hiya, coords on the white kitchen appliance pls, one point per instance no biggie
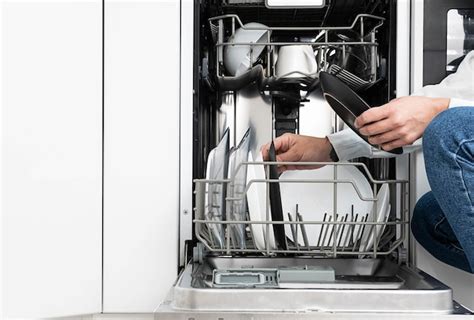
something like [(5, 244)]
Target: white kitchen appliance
[(367, 45)]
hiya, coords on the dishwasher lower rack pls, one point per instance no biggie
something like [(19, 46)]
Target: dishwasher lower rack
[(339, 233), (195, 297)]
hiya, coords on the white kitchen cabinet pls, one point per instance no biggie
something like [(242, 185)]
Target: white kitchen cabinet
[(141, 157), (51, 150)]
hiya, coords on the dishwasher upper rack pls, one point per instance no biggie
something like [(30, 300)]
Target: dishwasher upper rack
[(397, 237), (223, 28)]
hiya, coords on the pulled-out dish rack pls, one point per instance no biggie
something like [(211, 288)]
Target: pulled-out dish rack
[(349, 52), (334, 224)]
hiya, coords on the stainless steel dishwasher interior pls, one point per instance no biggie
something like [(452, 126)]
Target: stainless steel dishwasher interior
[(418, 293)]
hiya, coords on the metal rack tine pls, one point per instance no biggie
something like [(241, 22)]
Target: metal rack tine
[(342, 227), (332, 233), (293, 232), (325, 232), (350, 234), (322, 229), (340, 230), (360, 232), (303, 231)]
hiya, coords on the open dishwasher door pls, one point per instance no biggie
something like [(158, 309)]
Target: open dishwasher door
[(363, 289), (326, 269), (337, 276)]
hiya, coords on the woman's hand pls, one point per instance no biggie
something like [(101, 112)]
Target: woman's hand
[(296, 148), (401, 121)]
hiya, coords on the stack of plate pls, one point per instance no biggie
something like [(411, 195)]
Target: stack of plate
[(258, 202), (217, 163), (222, 164), (312, 201), (237, 209)]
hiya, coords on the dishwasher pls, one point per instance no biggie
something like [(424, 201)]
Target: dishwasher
[(338, 248)]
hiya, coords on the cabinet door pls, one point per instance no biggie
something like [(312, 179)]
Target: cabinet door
[(141, 170), (51, 152)]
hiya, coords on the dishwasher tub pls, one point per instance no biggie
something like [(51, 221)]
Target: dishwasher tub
[(419, 294)]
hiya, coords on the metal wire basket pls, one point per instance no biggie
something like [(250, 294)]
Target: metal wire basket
[(339, 233), (324, 41)]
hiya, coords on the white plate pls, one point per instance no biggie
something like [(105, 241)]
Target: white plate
[(209, 188), (383, 211), (214, 201), (316, 199), (237, 209), (257, 199), (210, 160)]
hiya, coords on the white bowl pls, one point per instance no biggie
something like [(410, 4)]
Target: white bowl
[(237, 58), (296, 61)]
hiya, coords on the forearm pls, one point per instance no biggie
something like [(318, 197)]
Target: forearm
[(348, 145)]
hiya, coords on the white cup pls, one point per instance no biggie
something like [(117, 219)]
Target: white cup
[(296, 61)]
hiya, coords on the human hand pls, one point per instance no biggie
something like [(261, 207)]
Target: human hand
[(401, 121), (296, 148)]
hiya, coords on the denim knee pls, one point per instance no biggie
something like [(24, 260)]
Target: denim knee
[(434, 133), (417, 225), (447, 130)]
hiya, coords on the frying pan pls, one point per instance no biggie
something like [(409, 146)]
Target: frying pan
[(275, 202), (346, 103)]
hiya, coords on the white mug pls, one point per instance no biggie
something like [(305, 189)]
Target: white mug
[(296, 61)]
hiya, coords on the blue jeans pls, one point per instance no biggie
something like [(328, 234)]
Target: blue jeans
[(443, 219)]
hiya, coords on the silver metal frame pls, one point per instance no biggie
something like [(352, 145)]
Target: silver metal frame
[(338, 222), (218, 29)]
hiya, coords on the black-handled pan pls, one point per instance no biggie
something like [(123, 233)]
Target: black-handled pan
[(346, 103), (275, 202)]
